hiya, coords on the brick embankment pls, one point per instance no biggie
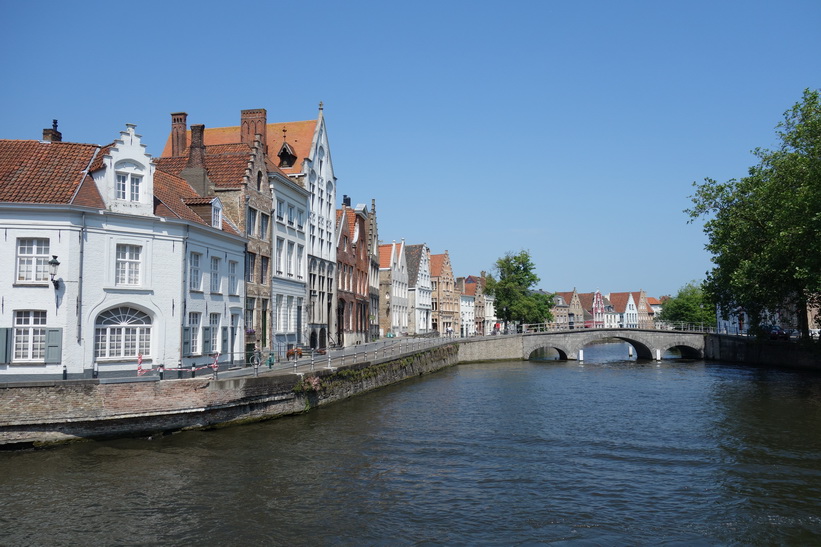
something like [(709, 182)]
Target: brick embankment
[(43, 413)]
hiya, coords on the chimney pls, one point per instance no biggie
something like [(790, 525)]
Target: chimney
[(346, 201), (194, 172), (52, 135), (252, 123), (178, 129)]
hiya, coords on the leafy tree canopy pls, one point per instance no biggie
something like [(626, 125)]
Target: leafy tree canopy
[(763, 229), (690, 305), (513, 290)]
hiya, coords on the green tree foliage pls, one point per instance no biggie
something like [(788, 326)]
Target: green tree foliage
[(513, 290), (690, 305), (764, 229)]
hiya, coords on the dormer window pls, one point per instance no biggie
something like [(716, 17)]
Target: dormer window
[(287, 158), (128, 186), (128, 181), (216, 215)]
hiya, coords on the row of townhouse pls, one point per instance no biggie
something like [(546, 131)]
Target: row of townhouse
[(223, 247), (226, 247), (630, 310)]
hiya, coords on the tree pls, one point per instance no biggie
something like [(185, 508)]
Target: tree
[(763, 230), (513, 290), (690, 305)]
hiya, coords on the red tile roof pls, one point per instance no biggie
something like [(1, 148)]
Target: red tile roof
[(385, 256), (298, 135), (45, 172), (436, 264), (619, 301)]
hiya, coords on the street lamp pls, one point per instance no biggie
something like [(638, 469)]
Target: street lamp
[(53, 264)]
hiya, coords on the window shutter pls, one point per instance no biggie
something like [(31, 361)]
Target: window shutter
[(54, 345), (5, 345), (206, 340), (186, 341), (225, 347)]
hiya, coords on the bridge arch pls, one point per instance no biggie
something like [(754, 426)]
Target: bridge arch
[(648, 343)]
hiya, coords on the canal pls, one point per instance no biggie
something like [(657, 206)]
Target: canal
[(609, 451)]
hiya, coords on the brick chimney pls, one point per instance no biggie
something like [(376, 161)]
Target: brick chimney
[(179, 121), (254, 122), (52, 135), (194, 172)]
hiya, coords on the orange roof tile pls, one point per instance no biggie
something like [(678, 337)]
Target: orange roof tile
[(436, 264), (385, 256), (43, 172)]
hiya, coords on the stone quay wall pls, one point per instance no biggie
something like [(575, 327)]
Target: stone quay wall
[(45, 413), (750, 351)]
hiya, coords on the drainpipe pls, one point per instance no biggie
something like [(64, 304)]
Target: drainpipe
[(80, 282)]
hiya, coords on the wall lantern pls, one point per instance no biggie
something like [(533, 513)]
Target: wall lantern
[(53, 264)]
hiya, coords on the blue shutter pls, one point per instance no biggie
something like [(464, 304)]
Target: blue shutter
[(225, 347), (5, 345), (54, 346), (206, 340), (186, 341)]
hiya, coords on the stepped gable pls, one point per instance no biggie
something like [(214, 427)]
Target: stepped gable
[(47, 172)]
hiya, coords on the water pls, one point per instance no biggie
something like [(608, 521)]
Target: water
[(609, 452)]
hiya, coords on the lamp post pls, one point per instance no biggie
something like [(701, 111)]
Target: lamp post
[(53, 264)]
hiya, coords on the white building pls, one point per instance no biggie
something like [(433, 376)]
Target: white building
[(393, 283), (149, 272), (467, 315), (289, 286), (420, 289)]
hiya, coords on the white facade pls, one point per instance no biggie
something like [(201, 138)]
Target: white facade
[(321, 184), (420, 292), (289, 288), (126, 288), (467, 315), (393, 282)]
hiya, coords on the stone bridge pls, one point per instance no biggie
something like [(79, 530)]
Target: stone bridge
[(649, 344)]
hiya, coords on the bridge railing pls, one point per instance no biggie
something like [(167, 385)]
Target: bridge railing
[(532, 328)]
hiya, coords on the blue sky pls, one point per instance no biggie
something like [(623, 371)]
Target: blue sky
[(572, 130)]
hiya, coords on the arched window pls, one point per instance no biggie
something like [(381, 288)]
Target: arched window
[(122, 332)]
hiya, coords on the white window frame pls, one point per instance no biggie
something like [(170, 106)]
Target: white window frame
[(195, 324), (32, 259), (214, 323), (128, 264), (195, 279), (127, 186), (233, 285), (216, 277), (29, 336), (122, 333)]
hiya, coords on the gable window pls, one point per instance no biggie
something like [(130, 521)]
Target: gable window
[(128, 186), (216, 215), (29, 335), (32, 259), (128, 264), (122, 332), (196, 273), (286, 156)]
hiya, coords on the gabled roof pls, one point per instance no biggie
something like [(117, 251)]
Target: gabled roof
[(436, 264), (173, 197), (47, 172), (620, 300), (225, 165), (413, 257), (385, 255)]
